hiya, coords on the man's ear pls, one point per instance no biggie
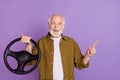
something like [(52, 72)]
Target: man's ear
[(48, 24)]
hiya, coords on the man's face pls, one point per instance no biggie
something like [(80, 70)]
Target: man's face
[(56, 26)]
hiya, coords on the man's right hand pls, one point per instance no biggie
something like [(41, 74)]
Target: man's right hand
[(25, 39)]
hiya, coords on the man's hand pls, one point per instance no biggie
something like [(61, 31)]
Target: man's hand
[(91, 50), (25, 39)]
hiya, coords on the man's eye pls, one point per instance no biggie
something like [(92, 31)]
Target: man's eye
[(60, 23), (52, 23)]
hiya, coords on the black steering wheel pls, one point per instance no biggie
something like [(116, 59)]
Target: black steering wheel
[(22, 57)]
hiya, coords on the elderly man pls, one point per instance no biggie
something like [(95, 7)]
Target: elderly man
[(59, 53)]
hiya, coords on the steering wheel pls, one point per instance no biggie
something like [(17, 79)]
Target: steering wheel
[(22, 57)]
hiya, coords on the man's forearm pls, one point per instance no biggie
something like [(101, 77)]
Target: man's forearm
[(86, 59), (28, 47)]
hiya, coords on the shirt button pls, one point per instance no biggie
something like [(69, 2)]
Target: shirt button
[(51, 52), (51, 73)]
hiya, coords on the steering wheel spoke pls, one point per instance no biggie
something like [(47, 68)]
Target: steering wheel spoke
[(34, 57), (20, 67), (11, 53)]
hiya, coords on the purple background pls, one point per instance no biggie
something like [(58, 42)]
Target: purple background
[(86, 21)]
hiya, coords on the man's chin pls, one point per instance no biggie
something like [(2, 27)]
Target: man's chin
[(55, 34)]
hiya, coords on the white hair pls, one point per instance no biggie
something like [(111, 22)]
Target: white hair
[(50, 18)]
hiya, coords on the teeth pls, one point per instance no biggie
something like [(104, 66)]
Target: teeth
[(56, 30)]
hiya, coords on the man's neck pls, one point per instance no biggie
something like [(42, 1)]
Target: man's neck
[(55, 36)]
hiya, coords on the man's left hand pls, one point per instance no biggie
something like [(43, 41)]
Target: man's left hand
[(91, 50)]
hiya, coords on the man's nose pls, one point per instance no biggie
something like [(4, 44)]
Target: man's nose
[(56, 26)]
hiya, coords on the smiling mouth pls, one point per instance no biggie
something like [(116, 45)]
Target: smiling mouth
[(56, 30)]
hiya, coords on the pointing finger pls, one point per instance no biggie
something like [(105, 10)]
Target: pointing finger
[(95, 43)]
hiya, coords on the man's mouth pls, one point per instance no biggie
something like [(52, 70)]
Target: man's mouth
[(56, 30)]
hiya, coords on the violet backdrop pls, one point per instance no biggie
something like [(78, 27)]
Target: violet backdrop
[(86, 21)]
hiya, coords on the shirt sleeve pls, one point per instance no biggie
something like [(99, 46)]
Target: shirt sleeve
[(78, 57), (34, 52)]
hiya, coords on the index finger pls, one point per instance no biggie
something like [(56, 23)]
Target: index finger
[(95, 43)]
